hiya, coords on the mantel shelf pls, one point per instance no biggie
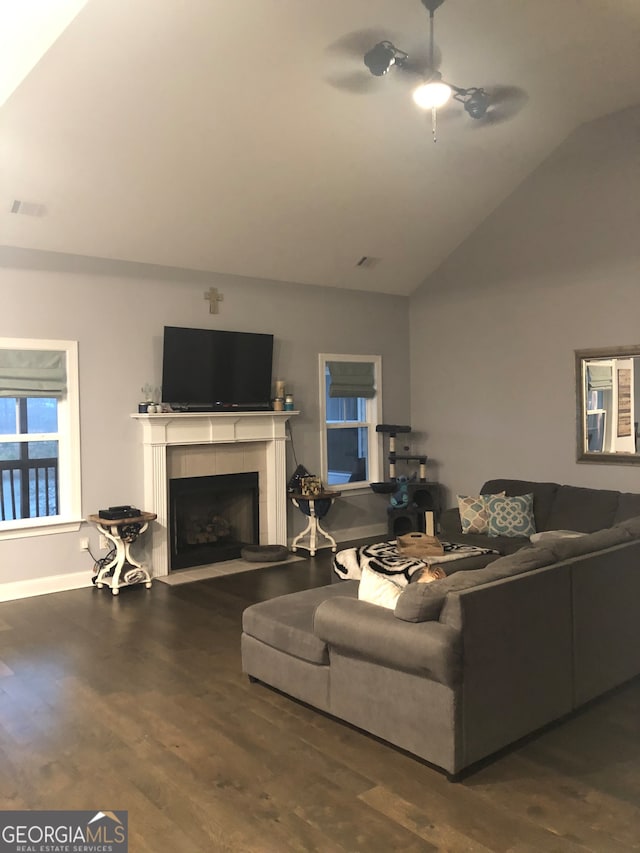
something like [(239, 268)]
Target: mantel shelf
[(186, 415)]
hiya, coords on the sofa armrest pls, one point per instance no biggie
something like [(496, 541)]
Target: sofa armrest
[(518, 663), (373, 633)]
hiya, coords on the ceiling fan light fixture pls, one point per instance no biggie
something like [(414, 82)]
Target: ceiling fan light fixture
[(382, 57), (432, 95), (477, 104)]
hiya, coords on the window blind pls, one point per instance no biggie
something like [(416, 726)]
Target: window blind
[(33, 373), (599, 377), (351, 379)]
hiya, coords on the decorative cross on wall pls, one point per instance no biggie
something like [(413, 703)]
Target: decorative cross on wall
[(213, 297)]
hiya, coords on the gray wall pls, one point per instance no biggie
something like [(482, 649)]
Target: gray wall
[(117, 312), (493, 331)]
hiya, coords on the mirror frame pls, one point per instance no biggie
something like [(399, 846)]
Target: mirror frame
[(597, 456)]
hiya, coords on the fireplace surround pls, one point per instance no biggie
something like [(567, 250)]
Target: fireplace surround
[(203, 444), (211, 518)]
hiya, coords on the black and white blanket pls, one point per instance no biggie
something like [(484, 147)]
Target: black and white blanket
[(384, 558)]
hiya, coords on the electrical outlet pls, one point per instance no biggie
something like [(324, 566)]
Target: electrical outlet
[(84, 544), (103, 542)]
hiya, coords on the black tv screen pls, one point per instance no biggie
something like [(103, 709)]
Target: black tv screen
[(209, 369)]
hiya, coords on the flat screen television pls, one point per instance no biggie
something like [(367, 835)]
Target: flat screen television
[(212, 370)]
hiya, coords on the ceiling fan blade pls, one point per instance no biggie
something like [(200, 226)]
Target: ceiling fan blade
[(354, 45), (350, 73), (506, 102), (354, 82)]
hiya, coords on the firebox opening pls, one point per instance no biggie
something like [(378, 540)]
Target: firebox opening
[(212, 518)]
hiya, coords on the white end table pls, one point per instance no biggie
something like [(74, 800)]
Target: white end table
[(122, 532), (313, 528)]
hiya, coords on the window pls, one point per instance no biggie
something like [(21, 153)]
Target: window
[(350, 407), (39, 437)]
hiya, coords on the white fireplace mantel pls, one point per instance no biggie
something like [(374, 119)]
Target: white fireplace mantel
[(166, 430)]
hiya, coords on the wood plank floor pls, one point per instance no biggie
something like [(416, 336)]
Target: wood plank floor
[(138, 703)]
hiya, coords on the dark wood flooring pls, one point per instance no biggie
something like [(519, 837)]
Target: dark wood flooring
[(139, 703)]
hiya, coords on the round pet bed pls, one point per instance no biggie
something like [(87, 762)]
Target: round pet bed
[(264, 553)]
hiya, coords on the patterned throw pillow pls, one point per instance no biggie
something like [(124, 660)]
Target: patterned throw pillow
[(511, 516), (474, 515)]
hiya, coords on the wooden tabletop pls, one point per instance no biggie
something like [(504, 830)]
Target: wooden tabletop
[(327, 493), (117, 522)]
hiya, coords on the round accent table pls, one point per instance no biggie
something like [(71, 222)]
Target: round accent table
[(314, 507), (122, 532)]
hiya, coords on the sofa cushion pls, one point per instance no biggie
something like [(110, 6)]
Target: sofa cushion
[(286, 622), (585, 510), (566, 548), (632, 525), (543, 496), (364, 631), (511, 516), (502, 544), (423, 602), (628, 507), (546, 536)]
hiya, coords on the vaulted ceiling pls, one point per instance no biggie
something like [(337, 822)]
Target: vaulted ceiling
[(247, 136)]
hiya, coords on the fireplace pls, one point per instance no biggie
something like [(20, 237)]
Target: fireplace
[(182, 445), (211, 518)]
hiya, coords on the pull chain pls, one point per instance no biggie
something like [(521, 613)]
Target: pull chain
[(433, 109)]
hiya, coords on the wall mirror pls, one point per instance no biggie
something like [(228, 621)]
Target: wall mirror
[(608, 405)]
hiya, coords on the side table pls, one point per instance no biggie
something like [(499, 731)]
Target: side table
[(122, 532), (314, 507)]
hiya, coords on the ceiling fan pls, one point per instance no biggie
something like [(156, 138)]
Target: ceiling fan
[(434, 92)]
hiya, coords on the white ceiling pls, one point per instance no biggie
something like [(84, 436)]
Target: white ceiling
[(242, 136)]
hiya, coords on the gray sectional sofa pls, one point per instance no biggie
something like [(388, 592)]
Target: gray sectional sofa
[(469, 664), (555, 507)]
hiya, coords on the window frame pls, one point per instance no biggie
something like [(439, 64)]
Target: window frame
[(69, 517), (373, 418)]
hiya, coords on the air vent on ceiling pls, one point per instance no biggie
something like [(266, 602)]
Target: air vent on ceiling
[(28, 208), (367, 261)]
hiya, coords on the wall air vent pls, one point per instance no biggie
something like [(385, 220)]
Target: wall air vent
[(367, 261), (28, 208)]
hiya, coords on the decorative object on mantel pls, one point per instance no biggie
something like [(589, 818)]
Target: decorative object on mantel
[(213, 297), (150, 395)]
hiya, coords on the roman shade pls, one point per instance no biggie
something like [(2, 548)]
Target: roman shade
[(33, 373), (599, 377), (351, 379)]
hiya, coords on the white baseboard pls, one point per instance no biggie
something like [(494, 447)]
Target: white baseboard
[(43, 586), (360, 532), (348, 535), (78, 580)]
